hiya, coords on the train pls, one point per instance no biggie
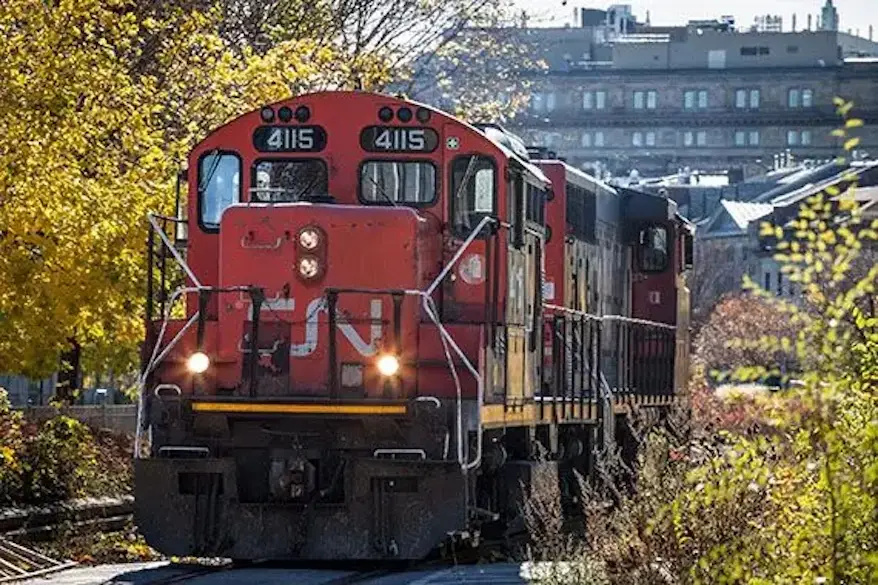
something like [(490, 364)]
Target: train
[(372, 326)]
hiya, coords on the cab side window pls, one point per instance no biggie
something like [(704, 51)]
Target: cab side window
[(653, 249), (473, 192), (219, 186)]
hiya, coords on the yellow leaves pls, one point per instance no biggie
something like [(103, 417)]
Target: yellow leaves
[(843, 107), (853, 123), (851, 143)]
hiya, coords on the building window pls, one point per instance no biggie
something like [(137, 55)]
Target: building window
[(753, 51), (698, 138), (796, 137), (701, 138), (645, 100), (598, 138), (550, 101), (650, 138), (637, 139), (800, 98), (594, 100), (695, 99), (807, 98), (586, 140), (688, 138), (747, 138), (747, 99), (536, 102)]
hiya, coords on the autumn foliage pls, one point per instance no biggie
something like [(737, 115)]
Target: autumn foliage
[(740, 333)]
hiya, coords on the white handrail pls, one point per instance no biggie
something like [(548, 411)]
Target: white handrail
[(161, 233), (469, 240)]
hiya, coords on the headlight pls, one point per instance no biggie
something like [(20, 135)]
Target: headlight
[(198, 363), (309, 238), (388, 365), (309, 267)]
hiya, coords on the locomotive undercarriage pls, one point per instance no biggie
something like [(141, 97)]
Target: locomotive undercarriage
[(255, 487), (251, 487)]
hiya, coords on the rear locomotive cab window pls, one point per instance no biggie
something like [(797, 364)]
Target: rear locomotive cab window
[(389, 182), (284, 181), (473, 192), (219, 186), (653, 253)]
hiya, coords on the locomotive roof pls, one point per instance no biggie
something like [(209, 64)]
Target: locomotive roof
[(506, 149)]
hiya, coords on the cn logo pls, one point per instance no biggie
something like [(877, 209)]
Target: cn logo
[(312, 330)]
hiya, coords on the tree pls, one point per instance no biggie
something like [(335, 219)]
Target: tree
[(739, 333), (99, 101)]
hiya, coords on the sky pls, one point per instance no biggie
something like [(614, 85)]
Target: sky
[(852, 14)]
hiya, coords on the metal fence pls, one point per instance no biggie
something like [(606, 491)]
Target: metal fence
[(118, 418)]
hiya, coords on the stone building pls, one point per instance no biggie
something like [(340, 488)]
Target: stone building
[(620, 96)]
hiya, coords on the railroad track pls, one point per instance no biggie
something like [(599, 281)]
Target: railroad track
[(39, 523)]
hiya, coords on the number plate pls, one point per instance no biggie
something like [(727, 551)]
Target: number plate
[(289, 139), (396, 139)]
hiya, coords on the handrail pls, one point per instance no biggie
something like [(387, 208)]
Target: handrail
[(277, 244), (161, 234), (469, 240)]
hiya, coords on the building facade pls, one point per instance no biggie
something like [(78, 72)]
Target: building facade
[(702, 96)]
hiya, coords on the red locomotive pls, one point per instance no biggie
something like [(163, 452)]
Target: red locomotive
[(347, 323)]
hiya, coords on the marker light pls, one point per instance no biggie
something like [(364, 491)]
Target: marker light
[(404, 114), (388, 365), (285, 114), (385, 114), (309, 267), (309, 238), (198, 363), (303, 114)]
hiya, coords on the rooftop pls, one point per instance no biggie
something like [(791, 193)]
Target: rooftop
[(744, 212)]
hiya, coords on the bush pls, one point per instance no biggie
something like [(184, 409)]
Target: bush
[(58, 460), (11, 446)]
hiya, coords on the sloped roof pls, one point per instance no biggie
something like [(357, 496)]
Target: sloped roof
[(743, 212), (819, 185)]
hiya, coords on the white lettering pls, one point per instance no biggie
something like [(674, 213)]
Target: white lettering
[(384, 140), (306, 138), (276, 139), (312, 316), (417, 141)]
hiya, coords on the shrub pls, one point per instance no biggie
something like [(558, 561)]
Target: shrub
[(60, 461), (11, 446)]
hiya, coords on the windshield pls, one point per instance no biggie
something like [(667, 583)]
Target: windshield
[(398, 182), (283, 181)]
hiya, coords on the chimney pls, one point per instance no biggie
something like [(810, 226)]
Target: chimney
[(794, 22), (809, 22)]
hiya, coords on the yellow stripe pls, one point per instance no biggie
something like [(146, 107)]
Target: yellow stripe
[(299, 408)]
